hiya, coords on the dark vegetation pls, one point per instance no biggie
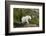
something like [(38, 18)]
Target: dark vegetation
[(18, 13)]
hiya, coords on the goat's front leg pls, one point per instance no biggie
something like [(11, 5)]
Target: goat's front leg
[(27, 22)]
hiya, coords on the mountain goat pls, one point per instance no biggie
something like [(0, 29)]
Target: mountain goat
[(25, 19)]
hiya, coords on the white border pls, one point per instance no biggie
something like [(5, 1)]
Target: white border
[(27, 28)]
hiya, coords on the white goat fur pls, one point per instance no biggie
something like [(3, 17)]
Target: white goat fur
[(25, 19)]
